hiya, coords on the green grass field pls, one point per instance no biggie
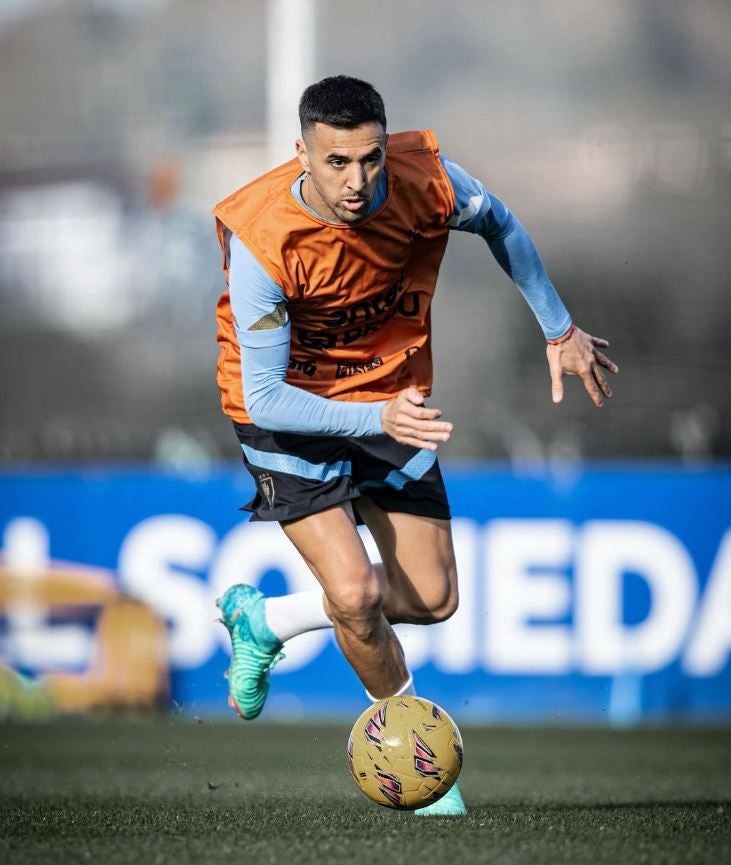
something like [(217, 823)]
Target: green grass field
[(169, 791)]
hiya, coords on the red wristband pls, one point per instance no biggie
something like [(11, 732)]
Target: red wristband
[(569, 333)]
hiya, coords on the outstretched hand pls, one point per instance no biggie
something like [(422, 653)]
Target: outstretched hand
[(580, 355), (406, 419)]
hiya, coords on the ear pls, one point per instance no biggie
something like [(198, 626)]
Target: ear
[(304, 159)]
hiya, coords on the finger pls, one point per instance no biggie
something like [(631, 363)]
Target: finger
[(601, 381), (605, 362), (597, 340), (413, 396), (419, 412), (592, 389), (440, 433), (554, 368), (429, 426), (416, 443), (406, 422)]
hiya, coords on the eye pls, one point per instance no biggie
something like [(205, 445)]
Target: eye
[(337, 163)]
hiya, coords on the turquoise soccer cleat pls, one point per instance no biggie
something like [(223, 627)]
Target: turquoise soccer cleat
[(255, 649), (450, 805)]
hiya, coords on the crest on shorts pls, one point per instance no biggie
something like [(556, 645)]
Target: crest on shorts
[(266, 488)]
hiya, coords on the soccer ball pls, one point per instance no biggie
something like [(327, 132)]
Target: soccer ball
[(404, 752)]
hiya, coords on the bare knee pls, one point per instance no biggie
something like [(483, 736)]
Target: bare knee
[(357, 606), (447, 608), (430, 608), (441, 608)]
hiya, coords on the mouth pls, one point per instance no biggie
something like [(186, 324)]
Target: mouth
[(354, 205)]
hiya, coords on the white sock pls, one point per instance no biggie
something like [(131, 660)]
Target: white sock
[(406, 688), (290, 615)]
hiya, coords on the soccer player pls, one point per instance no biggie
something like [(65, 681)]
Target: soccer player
[(325, 366)]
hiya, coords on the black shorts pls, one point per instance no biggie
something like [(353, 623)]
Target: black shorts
[(297, 475)]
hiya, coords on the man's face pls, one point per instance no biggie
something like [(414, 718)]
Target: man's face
[(344, 166)]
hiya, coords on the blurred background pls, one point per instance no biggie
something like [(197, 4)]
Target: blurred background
[(606, 127)]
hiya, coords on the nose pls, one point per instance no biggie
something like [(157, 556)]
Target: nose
[(356, 177)]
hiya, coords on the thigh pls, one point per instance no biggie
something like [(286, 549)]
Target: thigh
[(331, 546), (418, 561)]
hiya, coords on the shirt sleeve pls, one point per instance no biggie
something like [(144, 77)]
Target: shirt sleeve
[(263, 331), (479, 212)]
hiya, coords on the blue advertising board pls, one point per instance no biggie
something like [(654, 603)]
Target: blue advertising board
[(598, 595)]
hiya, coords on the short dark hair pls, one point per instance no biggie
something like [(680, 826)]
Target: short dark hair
[(341, 101)]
